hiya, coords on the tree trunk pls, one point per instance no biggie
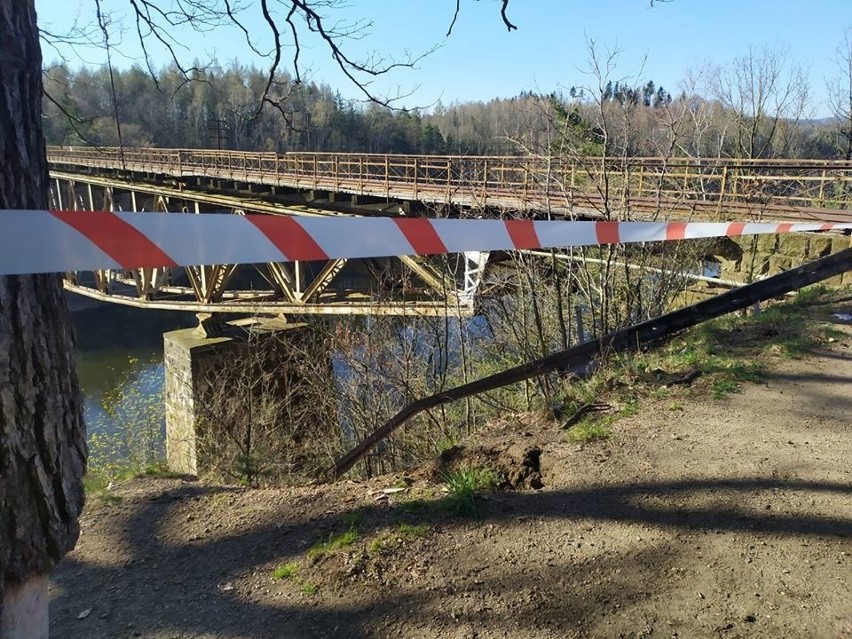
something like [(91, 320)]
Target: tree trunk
[(42, 442)]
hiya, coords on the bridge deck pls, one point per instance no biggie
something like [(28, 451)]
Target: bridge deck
[(649, 188), (799, 190)]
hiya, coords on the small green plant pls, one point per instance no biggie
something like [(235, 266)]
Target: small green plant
[(724, 387), (471, 479), (445, 443), (286, 571), (588, 431), (334, 543), (463, 484), (631, 407), (376, 546), (309, 589), (406, 530), (354, 518)]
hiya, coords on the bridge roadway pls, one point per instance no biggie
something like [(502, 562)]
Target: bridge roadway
[(786, 190), (333, 184)]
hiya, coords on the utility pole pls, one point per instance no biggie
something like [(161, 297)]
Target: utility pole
[(220, 125)]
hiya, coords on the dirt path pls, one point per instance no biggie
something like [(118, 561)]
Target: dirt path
[(699, 518)]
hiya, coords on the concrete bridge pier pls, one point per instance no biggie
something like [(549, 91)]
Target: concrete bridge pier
[(209, 375)]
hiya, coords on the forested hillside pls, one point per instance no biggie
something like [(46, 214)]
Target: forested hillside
[(219, 109)]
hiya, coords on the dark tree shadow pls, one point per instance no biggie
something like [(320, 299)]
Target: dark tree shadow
[(174, 589)]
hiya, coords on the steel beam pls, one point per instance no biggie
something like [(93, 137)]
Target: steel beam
[(277, 307)]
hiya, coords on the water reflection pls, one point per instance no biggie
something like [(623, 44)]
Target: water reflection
[(120, 363)]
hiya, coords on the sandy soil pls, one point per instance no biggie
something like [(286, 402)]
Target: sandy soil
[(698, 518)]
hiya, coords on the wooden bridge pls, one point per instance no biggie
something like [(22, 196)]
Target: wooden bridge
[(364, 184)]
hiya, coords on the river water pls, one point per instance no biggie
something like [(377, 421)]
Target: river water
[(120, 365)]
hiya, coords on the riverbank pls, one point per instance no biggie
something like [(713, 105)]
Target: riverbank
[(704, 514)]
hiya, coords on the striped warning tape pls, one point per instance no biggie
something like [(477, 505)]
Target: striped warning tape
[(58, 241)]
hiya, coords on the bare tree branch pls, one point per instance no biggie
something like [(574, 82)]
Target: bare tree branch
[(72, 119), (508, 24), (455, 16)]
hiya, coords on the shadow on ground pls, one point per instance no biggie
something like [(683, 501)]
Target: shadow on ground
[(174, 589)]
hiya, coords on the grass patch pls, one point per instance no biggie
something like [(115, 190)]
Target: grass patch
[(160, 468), (309, 589), (463, 485), (99, 477), (96, 487), (401, 532), (286, 571), (723, 387), (407, 531), (587, 431), (734, 350), (334, 543), (354, 518), (728, 352), (631, 407)]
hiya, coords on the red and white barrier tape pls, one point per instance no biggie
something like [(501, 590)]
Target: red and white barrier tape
[(59, 241)]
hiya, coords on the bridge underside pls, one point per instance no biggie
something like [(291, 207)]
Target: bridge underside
[(386, 286)]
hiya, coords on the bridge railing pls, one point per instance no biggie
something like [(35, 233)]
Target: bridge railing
[(642, 184)]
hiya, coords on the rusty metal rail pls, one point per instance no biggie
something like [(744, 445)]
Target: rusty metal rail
[(613, 188)]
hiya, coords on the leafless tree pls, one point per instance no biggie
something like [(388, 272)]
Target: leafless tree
[(267, 412), (840, 94), (766, 93)]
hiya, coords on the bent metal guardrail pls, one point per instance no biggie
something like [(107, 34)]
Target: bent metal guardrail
[(613, 187)]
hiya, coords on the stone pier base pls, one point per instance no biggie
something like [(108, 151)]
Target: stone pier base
[(191, 359), (186, 354)]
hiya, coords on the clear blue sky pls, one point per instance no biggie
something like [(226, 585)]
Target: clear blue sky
[(482, 60)]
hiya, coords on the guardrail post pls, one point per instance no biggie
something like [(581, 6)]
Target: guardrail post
[(336, 162), (415, 177), (722, 187), (484, 182), (821, 198)]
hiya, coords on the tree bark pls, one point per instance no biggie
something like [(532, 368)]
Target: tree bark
[(42, 441)]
